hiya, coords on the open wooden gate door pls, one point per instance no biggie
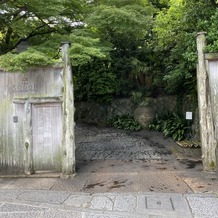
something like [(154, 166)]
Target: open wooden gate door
[(47, 136)]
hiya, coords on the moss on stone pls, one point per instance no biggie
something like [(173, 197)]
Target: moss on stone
[(212, 165)]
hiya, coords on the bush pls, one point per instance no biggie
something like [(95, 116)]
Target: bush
[(125, 122), (171, 125)]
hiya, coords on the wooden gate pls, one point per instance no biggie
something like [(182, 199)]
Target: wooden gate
[(47, 136)]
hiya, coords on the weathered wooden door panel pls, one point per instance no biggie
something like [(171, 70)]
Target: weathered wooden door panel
[(47, 136), (18, 132)]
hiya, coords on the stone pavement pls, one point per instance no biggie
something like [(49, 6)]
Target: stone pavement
[(119, 174), (45, 203)]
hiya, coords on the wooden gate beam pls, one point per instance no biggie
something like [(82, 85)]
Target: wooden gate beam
[(68, 141), (207, 131)]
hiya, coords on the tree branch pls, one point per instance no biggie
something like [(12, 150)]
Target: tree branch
[(8, 36), (32, 35)]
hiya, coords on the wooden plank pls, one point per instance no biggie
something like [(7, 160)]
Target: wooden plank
[(213, 79), (47, 136), (68, 142), (211, 56), (2, 114), (208, 141), (18, 135)]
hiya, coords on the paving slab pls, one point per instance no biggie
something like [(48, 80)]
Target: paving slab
[(32, 183), (74, 184), (126, 203), (9, 207), (44, 196), (162, 182), (105, 203), (27, 214), (111, 205), (110, 182), (9, 195), (5, 182), (204, 207), (61, 214), (133, 204), (78, 200), (201, 182)]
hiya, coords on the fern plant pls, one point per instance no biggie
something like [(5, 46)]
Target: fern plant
[(125, 122), (171, 125)]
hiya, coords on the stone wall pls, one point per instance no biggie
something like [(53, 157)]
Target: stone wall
[(164, 104), (91, 112), (95, 113)]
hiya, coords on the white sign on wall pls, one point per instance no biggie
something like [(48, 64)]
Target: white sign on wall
[(188, 115)]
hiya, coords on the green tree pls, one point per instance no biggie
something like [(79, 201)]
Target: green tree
[(21, 20), (175, 32), (44, 24), (126, 25)]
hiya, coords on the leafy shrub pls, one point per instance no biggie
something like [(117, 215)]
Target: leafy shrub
[(171, 125), (125, 122)]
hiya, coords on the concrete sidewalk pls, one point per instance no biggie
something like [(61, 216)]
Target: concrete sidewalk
[(46, 203)]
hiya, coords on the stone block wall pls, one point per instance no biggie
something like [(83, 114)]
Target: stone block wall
[(120, 107), (95, 113), (163, 104), (91, 112)]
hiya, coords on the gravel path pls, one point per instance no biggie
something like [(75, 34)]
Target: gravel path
[(95, 143)]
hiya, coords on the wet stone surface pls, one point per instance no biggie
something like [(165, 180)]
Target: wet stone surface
[(107, 143)]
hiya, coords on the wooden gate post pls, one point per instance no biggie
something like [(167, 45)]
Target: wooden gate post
[(68, 141), (208, 140)]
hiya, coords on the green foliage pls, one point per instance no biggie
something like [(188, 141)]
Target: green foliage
[(95, 83), (44, 25), (26, 20), (122, 25), (139, 99), (108, 41), (115, 45), (26, 60), (175, 32), (84, 49), (126, 26), (171, 125), (122, 3), (212, 38), (125, 122), (102, 86)]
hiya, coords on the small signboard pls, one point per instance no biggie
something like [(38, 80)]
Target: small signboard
[(15, 119), (188, 116)]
